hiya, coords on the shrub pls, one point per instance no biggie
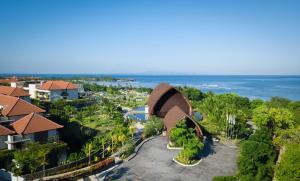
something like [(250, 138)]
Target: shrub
[(153, 127), (289, 166), (225, 178), (190, 151), (128, 149), (5, 158), (257, 157)]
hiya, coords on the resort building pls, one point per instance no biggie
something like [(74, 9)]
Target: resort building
[(21, 121), (53, 90), (4, 133), (15, 92), (164, 97), (14, 108), (167, 102), (32, 127)]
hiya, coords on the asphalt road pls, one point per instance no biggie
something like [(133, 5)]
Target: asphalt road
[(154, 162)]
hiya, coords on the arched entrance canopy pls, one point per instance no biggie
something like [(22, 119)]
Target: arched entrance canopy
[(164, 97), (175, 115)]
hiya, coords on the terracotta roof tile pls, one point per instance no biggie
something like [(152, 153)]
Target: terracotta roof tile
[(9, 80), (34, 123), (13, 106), (5, 131), (13, 91), (57, 85)]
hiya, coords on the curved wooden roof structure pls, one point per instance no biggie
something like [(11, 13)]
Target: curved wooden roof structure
[(175, 115), (164, 97)]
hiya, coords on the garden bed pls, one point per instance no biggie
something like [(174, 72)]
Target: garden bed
[(194, 163)]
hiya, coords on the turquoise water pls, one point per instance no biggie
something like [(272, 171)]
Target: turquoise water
[(252, 86)]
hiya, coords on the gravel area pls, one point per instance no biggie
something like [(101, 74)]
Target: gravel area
[(154, 162)]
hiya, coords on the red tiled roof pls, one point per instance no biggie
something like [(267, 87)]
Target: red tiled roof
[(13, 91), (13, 106), (5, 131), (57, 85), (9, 80), (34, 123)]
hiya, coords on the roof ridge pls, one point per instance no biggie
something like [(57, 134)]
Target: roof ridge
[(32, 114), (7, 129), (68, 83), (13, 90), (12, 107), (51, 82)]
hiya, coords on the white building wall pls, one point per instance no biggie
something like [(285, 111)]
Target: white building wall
[(2, 142), (32, 90)]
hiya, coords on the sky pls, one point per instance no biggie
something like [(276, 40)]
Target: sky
[(226, 37)]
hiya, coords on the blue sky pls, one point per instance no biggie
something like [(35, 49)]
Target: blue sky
[(150, 37)]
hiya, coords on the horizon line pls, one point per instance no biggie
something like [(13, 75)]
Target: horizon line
[(145, 74)]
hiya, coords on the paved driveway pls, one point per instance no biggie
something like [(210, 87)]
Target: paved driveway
[(154, 162)]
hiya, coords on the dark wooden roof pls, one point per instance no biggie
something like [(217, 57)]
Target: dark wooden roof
[(175, 115), (164, 97)]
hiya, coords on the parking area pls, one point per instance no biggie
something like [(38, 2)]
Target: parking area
[(154, 162)]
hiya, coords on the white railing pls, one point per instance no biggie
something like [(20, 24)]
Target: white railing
[(16, 139)]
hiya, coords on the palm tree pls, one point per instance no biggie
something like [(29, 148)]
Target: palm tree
[(132, 131), (103, 146), (122, 138), (87, 150), (42, 154)]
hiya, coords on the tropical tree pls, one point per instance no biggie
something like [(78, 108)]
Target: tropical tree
[(87, 149), (42, 154), (257, 157), (289, 166)]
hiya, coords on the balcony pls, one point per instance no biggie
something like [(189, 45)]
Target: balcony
[(11, 139), (5, 120)]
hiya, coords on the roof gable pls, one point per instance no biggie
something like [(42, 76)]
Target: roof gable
[(13, 91), (33, 123), (13, 106), (5, 131)]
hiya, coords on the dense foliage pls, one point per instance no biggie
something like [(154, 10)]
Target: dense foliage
[(225, 178), (182, 136), (257, 157), (289, 166), (34, 156), (217, 108), (154, 126)]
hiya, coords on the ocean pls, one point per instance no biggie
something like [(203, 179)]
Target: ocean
[(252, 86)]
